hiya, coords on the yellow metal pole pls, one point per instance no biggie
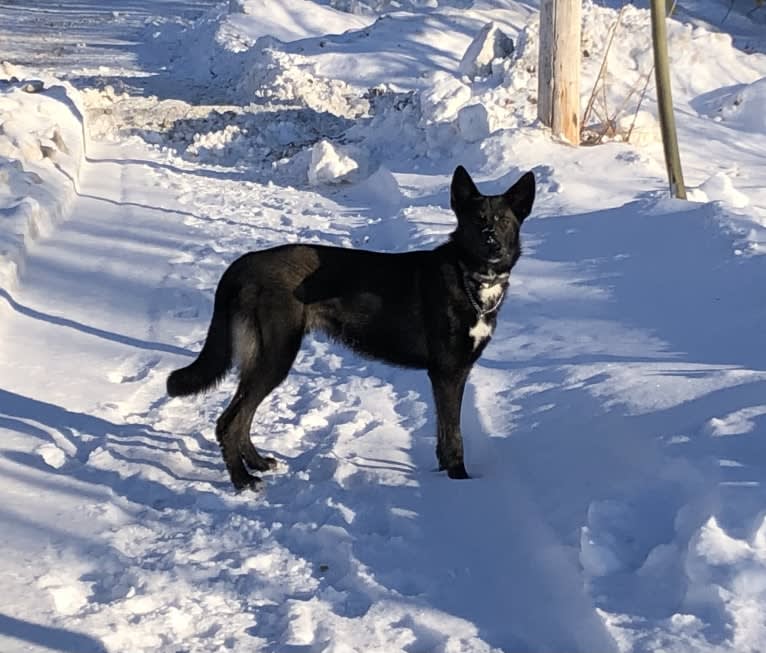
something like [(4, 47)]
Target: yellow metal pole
[(665, 101)]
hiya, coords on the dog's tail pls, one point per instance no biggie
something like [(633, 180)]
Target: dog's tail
[(214, 360)]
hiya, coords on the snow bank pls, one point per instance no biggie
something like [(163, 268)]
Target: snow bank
[(490, 44), (470, 79), (727, 577), (223, 47), (288, 20), (504, 81), (42, 148), (720, 188), (744, 108), (700, 579), (444, 97), (491, 87), (447, 86), (330, 164), (275, 76), (367, 7)]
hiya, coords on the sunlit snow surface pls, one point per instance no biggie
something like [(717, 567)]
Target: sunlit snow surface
[(613, 426)]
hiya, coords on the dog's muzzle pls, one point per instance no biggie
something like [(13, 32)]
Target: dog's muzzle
[(491, 241)]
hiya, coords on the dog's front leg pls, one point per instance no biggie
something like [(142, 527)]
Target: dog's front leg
[(448, 394)]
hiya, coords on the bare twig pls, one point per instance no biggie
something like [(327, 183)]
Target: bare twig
[(602, 70), (640, 101)]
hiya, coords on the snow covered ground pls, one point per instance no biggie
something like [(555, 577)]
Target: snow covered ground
[(613, 426)]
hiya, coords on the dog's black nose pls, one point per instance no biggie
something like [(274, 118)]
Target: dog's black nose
[(491, 241)]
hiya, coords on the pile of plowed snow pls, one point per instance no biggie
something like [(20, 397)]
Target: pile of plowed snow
[(42, 147)]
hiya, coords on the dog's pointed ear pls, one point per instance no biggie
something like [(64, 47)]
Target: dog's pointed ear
[(462, 188), (521, 196)]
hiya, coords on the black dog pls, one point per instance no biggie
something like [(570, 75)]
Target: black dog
[(433, 310)]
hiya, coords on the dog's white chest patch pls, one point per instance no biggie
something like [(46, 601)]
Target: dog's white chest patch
[(480, 331), (489, 295)]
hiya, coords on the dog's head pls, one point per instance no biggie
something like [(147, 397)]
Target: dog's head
[(488, 225)]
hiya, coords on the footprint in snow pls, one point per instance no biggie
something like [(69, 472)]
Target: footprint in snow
[(133, 370)]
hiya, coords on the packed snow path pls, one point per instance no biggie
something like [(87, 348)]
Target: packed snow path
[(613, 426), (356, 533)]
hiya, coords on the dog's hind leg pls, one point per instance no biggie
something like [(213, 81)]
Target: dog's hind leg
[(448, 395), (273, 365), (229, 421), (260, 374)]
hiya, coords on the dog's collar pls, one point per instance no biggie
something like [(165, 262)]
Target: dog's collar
[(473, 279)]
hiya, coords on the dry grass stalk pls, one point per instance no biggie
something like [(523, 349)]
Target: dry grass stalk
[(602, 70)]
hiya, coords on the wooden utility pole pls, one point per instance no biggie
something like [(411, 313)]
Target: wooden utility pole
[(665, 101), (558, 68)]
